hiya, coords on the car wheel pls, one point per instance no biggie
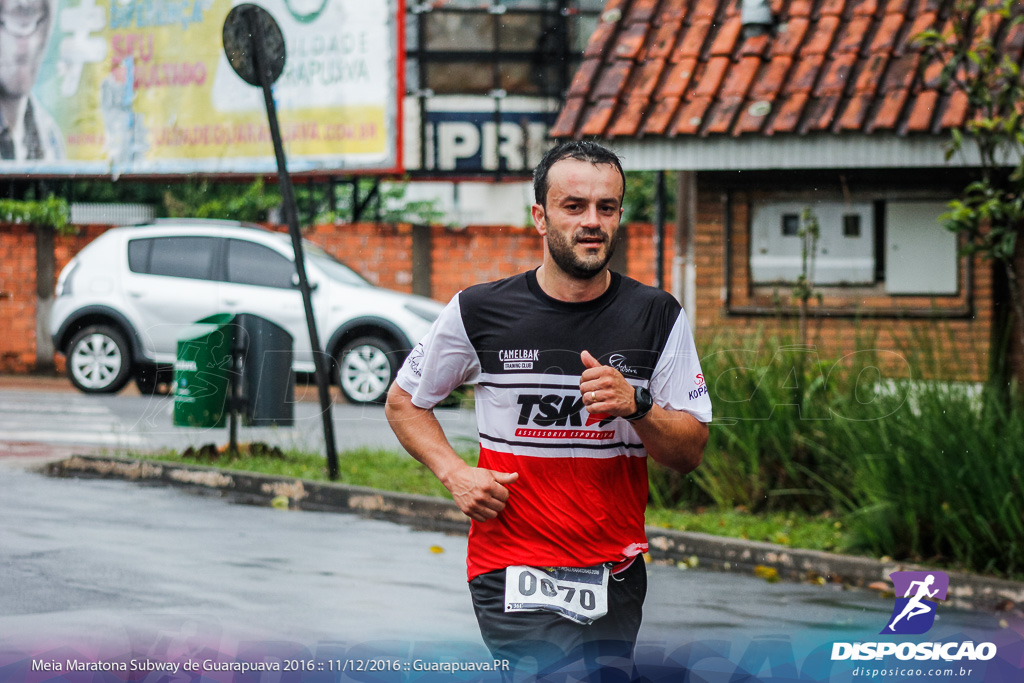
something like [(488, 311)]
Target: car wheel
[(366, 367), (152, 380), (98, 360)]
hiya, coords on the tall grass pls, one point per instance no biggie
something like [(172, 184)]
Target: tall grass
[(941, 481), (918, 470)]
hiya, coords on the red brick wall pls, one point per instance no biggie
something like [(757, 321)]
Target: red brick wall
[(383, 254), (953, 347), (17, 299)]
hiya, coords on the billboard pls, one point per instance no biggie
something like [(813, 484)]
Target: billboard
[(112, 87), (477, 135)]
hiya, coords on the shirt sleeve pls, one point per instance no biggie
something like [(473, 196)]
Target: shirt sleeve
[(678, 381), (444, 360)]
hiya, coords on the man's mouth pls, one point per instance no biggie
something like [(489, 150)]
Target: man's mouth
[(22, 19), (590, 240)]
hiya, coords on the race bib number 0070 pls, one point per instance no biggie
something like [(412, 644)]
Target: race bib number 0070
[(576, 593)]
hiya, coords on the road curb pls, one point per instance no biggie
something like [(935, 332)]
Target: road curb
[(423, 512)]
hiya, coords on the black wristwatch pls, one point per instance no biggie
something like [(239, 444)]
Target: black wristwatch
[(644, 403)]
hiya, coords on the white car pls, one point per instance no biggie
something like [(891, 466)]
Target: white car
[(125, 298)]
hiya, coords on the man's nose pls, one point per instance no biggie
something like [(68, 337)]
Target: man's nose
[(590, 217)]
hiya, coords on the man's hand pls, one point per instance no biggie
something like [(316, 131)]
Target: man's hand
[(673, 438), (605, 391), (480, 493)]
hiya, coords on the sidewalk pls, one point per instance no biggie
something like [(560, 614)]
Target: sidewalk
[(435, 514)]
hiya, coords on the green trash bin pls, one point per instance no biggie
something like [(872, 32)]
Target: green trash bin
[(201, 372)]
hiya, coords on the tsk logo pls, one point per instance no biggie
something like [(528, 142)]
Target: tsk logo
[(556, 411), (913, 614), (518, 359)]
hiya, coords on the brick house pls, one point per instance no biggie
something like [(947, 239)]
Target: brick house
[(766, 109)]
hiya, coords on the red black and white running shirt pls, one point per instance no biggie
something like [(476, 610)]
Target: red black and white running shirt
[(582, 487)]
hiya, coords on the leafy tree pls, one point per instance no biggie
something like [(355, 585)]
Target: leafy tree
[(990, 211)]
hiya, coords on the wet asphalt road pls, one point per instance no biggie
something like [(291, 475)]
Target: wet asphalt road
[(91, 561), (108, 567)]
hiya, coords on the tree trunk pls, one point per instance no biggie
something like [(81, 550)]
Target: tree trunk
[(1017, 321)]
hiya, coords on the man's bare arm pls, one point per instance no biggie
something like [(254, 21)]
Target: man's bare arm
[(480, 493), (673, 438)]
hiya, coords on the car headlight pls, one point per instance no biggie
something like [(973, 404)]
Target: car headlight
[(428, 313)]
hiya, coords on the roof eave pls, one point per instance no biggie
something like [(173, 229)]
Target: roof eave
[(878, 150)]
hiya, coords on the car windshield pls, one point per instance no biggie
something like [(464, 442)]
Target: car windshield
[(333, 268)]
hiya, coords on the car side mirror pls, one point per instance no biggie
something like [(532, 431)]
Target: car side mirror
[(295, 282)]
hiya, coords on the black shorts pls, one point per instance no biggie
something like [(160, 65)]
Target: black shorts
[(555, 642)]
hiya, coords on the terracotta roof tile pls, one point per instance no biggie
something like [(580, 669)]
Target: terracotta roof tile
[(1013, 41), (821, 113), (751, 119), (921, 23), (956, 111), (851, 35), (754, 46), (836, 75), (664, 39), (922, 112), (599, 38), (855, 112), (771, 78), (887, 115), (821, 39), (896, 6), (805, 74), (888, 31), (596, 118), (672, 11), (864, 7), (704, 9), (728, 34), (646, 79), (800, 8), (789, 113), (641, 11), (692, 116), (565, 125), (738, 81), (901, 72), (722, 115), (683, 67), (787, 41), (692, 44), (631, 41), (584, 77), (678, 79), (834, 7), (612, 80), (657, 122), (628, 120), (932, 75), (708, 81), (870, 74)]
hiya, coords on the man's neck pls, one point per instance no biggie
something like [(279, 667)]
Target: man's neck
[(12, 109), (562, 286)]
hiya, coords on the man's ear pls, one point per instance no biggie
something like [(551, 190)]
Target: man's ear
[(539, 219)]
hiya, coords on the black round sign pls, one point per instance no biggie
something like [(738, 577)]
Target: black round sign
[(243, 27)]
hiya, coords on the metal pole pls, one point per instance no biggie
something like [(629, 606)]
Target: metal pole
[(659, 230), (291, 216)]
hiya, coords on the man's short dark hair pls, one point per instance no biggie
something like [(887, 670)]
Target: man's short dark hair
[(581, 150)]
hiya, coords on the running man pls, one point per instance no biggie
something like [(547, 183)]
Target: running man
[(915, 607), (580, 375)]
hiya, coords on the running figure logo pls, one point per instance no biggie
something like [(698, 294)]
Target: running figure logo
[(914, 612)]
